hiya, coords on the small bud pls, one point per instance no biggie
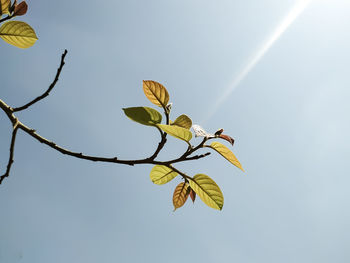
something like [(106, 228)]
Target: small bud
[(168, 107), (218, 133)]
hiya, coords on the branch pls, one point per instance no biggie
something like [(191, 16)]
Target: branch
[(6, 18), (196, 157), (151, 160), (12, 149), (163, 136), (9, 111), (160, 144), (80, 155), (47, 92)]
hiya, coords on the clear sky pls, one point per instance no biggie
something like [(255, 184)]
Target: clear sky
[(276, 81)]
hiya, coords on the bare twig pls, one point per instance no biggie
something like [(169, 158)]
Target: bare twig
[(47, 92), (12, 149)]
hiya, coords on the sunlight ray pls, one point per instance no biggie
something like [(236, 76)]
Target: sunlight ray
[(299, 7)]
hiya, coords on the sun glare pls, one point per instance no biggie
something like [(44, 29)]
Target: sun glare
[(299, 7)]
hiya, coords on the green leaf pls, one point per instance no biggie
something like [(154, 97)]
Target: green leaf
[(156, 93), (161, 174), (226, 153), (207, 190), (143, 115), (183, 121), (18, 33), (180, 195), (5, 6), (176, 131)]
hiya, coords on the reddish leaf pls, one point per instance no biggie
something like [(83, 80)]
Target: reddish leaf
[(192, 195), (227, 138), (20, 9)]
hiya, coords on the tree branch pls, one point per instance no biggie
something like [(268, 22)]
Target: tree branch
[(12, 149), (160, 144), (80, 155), (47, 92), (151, 160), (9, 111), (6, 18)]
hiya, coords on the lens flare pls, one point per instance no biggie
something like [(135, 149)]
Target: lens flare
[(299, 7)]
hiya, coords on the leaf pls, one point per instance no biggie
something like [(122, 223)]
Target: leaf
[(227, 138), (20, 9), (208, 191), (200, 132), (176, 131), (180, 195), (183, 121), (5, 6), (143, 115), (161, 174), (226, 153), (156, 93), (18, 33), (192, 195)]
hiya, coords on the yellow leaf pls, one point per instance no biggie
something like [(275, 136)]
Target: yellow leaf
[(176, 131), (161, 174), (180, 195), (156, 93), (226, 153), (183, 121), (18, 33), (5, 6), (208, 191)]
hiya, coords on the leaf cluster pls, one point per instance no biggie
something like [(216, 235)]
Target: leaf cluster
[(16, 33), (200, 184)]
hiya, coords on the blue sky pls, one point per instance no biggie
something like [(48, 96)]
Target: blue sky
[(288, 115)]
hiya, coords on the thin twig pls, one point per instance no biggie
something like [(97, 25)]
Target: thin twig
[(12, 149), (185, 176), (6, 18), (47, 92), (160, 144)]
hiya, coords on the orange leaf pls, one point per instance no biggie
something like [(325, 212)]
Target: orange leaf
[(180, 195), (156, 93)]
